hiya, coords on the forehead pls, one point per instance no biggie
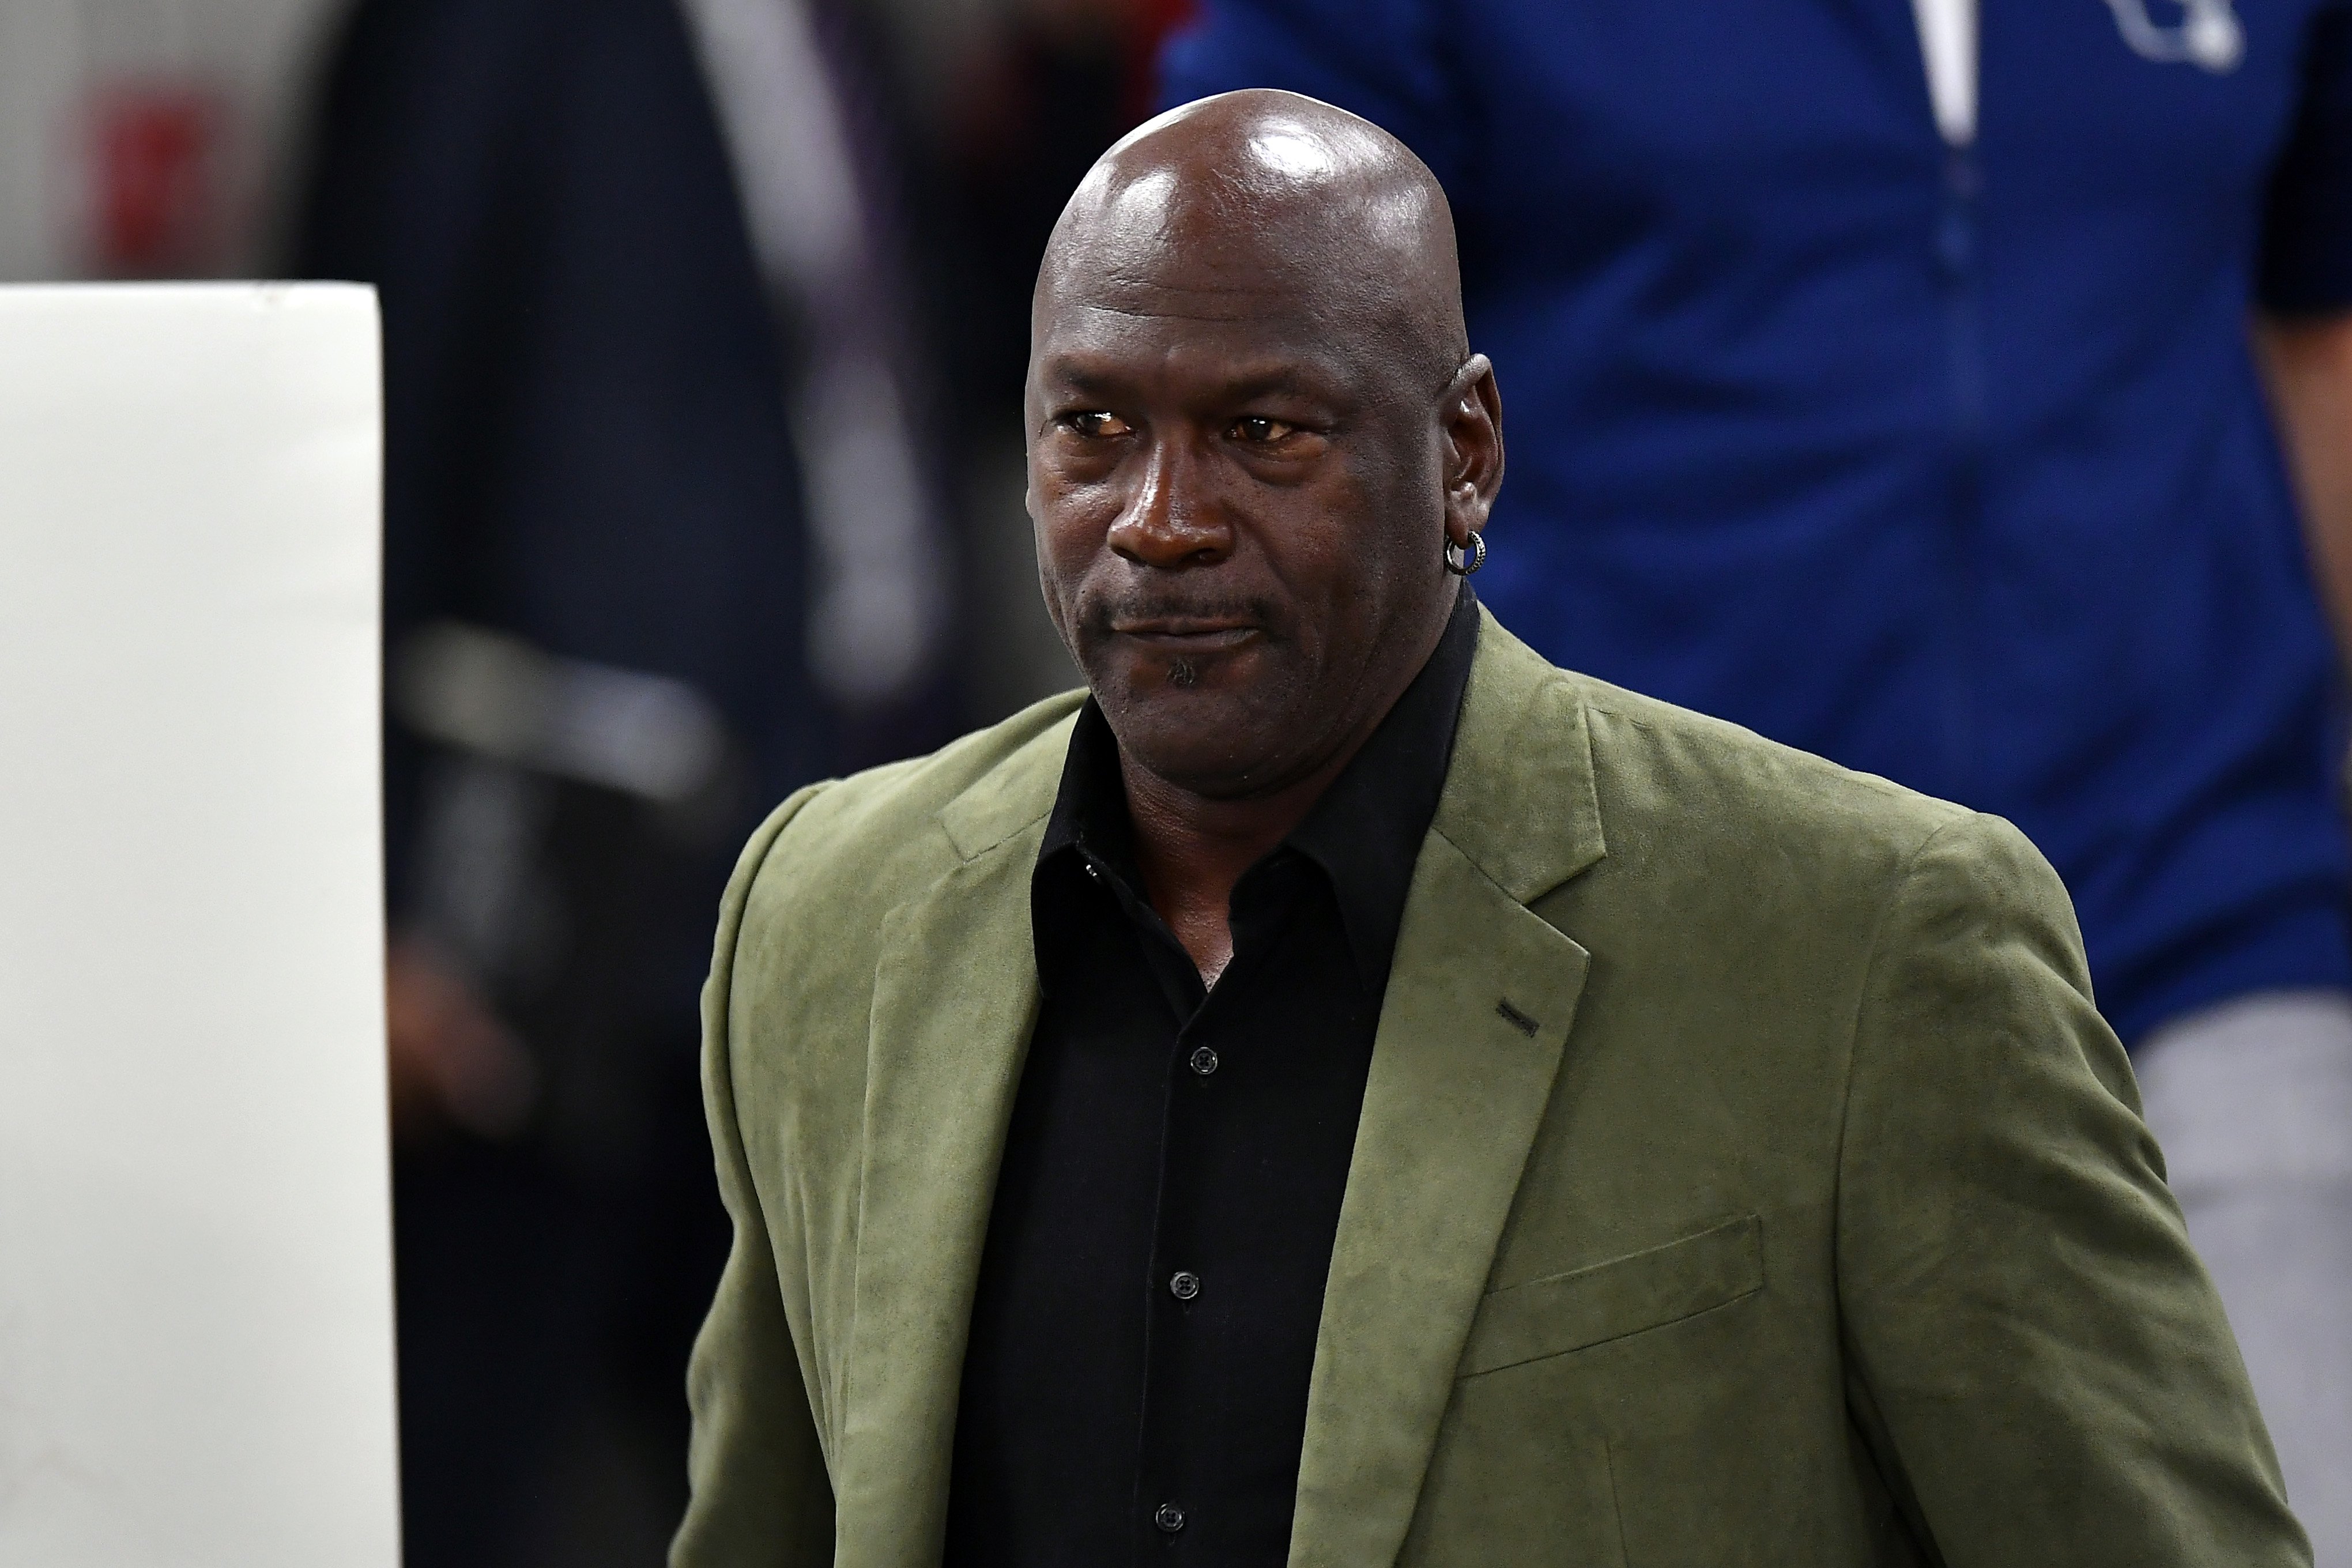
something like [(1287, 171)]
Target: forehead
[(1192, 334), (1160, 303)]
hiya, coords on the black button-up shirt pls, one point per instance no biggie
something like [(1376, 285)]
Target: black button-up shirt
[(1144, 1327)]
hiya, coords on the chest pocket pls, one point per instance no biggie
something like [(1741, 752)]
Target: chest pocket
[(1604, 1301)]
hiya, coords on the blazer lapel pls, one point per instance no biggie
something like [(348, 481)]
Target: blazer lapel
[(1478, 1009), (955, 1001)]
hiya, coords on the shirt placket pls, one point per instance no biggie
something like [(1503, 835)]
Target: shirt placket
[(1187, 1293)]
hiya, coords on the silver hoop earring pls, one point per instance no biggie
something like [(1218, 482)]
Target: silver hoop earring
[(1455, 560)]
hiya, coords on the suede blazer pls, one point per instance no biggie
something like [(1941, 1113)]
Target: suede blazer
[(1745, 1177)]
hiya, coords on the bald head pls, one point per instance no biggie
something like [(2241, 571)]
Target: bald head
[(1254, 424), (1260, 194)]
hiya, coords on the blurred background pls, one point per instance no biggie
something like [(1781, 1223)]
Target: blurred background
[(1979, 459), (705, 324)]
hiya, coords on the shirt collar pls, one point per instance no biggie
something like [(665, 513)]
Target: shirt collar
[(1366, 832)]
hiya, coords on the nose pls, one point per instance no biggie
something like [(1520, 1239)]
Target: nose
[(1170, 521)]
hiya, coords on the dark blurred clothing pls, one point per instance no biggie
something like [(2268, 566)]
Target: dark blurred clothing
[(1948, 463), (1024, 133), (585, 427), (590, 484), (815, 159)]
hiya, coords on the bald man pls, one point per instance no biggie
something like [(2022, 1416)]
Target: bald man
[(1342, 1091)]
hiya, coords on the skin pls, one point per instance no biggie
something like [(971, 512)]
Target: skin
[(1254, 421), (2309, 365)]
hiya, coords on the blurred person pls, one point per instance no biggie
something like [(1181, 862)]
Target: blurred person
[(1908, 415), (1009, 101), (1030, 103), (660, 544), (1342, 1090)]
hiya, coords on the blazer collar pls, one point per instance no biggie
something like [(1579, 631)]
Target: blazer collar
[(1018, 793), (1519, 802)]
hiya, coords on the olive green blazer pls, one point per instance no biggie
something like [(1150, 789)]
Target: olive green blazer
[(1745, 1176)]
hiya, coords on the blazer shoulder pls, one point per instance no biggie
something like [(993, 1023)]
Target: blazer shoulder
[(1667, 771), (886, 831)]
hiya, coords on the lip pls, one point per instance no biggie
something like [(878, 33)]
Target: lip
[(1192, 635)]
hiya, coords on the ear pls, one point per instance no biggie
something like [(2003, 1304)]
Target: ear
[(1470, 420)]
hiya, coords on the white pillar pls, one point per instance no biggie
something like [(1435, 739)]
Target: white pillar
[(196, 1308)]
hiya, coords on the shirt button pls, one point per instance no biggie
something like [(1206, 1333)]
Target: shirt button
[(1184, 1285), (1205, 1061), (1094, 872), (1169, 1518)]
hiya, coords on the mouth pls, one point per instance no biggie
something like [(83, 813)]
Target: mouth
[(1179, 635)]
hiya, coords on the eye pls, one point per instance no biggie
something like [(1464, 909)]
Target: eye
[(1259, 431), (1097, 423)]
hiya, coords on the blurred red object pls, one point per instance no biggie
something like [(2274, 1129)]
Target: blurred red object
[(157, 178), (1149, 22)]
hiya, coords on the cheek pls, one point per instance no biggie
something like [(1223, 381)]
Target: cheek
[(1348, 552), (1072, 517)]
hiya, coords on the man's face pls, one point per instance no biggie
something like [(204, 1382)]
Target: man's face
[(1238, 504)]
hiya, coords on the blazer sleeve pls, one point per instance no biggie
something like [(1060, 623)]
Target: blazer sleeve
[(762, 1494), (2036, 1358)]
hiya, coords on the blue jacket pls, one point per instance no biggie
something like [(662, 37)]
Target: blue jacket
[(1952, 465)]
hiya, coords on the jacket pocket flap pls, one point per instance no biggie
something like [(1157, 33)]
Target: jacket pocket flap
[(1605, 1301)]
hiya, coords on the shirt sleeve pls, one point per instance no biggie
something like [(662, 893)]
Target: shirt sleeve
[(2306, 254), (1388, 60), (2036, 1358)]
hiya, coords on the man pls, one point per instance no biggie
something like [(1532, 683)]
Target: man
[(1348, 1091), (1896, 399)]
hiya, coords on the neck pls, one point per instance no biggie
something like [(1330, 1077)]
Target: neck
[(1193, 848)]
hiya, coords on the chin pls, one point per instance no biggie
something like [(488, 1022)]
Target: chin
[(1223, 732), (1216, 743)]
